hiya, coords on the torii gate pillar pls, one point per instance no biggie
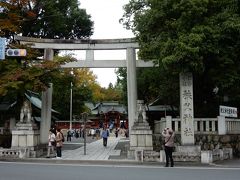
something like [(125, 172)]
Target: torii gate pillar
[(131, 86), (46, 105)]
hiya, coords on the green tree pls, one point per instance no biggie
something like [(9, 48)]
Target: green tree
[(152, 83), (86, 78), (122, 83), (200, 36), (112, 93), (45, 19), (61, 93)]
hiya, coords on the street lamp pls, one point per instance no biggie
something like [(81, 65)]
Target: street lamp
[(70, 122)]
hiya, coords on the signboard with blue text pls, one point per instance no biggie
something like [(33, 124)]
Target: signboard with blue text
[(228, 111), (2, 48)]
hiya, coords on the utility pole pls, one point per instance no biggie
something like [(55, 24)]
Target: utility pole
[(70, 123)]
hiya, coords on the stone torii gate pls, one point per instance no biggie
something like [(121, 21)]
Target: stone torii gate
[(49, 45)]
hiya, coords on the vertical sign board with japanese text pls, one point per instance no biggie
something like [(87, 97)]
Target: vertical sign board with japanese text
[(186, 106), (228, 111), (2, 48)]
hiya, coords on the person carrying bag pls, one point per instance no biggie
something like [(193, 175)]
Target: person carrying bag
[(168, 135)]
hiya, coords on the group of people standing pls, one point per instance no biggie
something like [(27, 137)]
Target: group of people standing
[(105, 133), (75, 133), (55, 142), (56, 139)]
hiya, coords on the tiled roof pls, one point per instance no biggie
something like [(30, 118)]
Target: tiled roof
[(35, 100), (106, 107), (5, 106)]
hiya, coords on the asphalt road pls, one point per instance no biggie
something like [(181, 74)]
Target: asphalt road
[(57, 171)]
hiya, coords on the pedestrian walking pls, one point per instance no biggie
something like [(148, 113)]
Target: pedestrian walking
[(105, 134), (59, 143), (126, 133), (116, 132), (97, 133), (69, 135), (168, 135), (51, 143), (93, 133)]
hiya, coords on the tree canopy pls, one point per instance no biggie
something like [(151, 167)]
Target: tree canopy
[(70, 79), (186, 35), (85, 88), (18, 75), (200, 36), (45, 19)]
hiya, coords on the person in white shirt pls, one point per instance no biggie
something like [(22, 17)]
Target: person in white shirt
[(51, 143), (93, 132)]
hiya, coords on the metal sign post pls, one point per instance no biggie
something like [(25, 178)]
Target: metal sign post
[(84, 116), (2, 48)]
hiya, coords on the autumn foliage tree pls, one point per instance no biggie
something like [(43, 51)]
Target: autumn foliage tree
[(84, 77), (18, 75), (85, 88), (42, 19), (12, 16)]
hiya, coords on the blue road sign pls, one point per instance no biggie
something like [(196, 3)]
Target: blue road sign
[(2, 48)]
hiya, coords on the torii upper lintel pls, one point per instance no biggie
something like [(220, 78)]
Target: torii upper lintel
[(83, 44)]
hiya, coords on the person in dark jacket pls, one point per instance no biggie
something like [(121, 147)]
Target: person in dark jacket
[(116, 132), (59, 143)]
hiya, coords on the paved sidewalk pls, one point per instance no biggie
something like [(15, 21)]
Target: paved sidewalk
[(231, 163), (96, 153), (94, 150)]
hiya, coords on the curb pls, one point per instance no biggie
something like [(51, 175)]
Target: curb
[(105, 162)]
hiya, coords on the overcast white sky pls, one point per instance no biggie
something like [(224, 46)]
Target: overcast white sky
[(106, 15)]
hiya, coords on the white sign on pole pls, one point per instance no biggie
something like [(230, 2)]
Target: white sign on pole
[(228, 111), (2, 48)]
